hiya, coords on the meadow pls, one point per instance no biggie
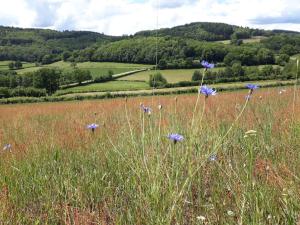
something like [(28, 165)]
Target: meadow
[(172, 76), (107, 86), (96, 68), (238, 161), (254, 39)]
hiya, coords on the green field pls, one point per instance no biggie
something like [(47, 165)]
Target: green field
[(254, 39), (96, 68), (121, 88), (26, 65), (172, 76), (107, 86)]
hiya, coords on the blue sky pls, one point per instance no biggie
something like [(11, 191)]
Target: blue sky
[(118, 17)]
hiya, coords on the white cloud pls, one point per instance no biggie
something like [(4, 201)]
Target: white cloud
[(117, 17)]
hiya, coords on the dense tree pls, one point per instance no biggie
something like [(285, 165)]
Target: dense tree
[(11, 65), (18, 64), (288, 49), (237, 70), (48, 79), (81, 75), (282, 59), (265, 56)]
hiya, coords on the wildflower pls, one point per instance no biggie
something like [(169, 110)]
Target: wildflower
[(7, 147), (92, 127), (230, 213), (201, 218), (252, 87), (207, 65), (175, 137), (269, 217), (212, 157), (282, 91), (160, 107), (207, 91), (146, 109)]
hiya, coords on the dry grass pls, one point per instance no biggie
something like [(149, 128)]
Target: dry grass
[(128, 172)]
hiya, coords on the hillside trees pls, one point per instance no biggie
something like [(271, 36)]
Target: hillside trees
[(47, 78)]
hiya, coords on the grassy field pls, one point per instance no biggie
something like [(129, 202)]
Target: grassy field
[(254, 39), (163, 91), (107, 86), (96, 68), (237, 164), (172, 76), (295, 57), (26, 65)]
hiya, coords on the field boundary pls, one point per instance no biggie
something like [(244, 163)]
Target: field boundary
[(122, 94), (115, 76)]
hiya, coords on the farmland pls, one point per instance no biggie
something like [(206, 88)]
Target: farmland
[(107, 86), (96, 68), (237, 164), (172, 76)]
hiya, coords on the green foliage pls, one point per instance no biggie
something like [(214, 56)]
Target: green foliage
[(103, 78), (21, 91), (288, 49), (48, 79), (204, 31), (197, 75), (282, 59), (178, 47), (33, 45), (286, 43), (18, 64), (11, 65), (157, 80), (15, 65), (81, 75)]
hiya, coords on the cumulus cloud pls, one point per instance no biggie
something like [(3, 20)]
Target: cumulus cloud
[(117, 17), (172, 3)]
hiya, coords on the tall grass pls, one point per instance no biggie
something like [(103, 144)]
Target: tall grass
[(129, 172)]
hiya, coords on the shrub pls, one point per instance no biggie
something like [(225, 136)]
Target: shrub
[(103, 78), (157, 80), (197, 75)]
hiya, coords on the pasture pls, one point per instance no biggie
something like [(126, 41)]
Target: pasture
[(96, 68), (254, 39), (238, 162), (172, 76), (107, 86)]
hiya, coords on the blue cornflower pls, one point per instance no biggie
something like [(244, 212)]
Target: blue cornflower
[(207, 65), (175, 137), (92, 126), (7, 147), (207, 91), (252, 87), (146, 109)]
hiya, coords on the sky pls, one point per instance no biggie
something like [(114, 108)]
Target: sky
[(124, 17)]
